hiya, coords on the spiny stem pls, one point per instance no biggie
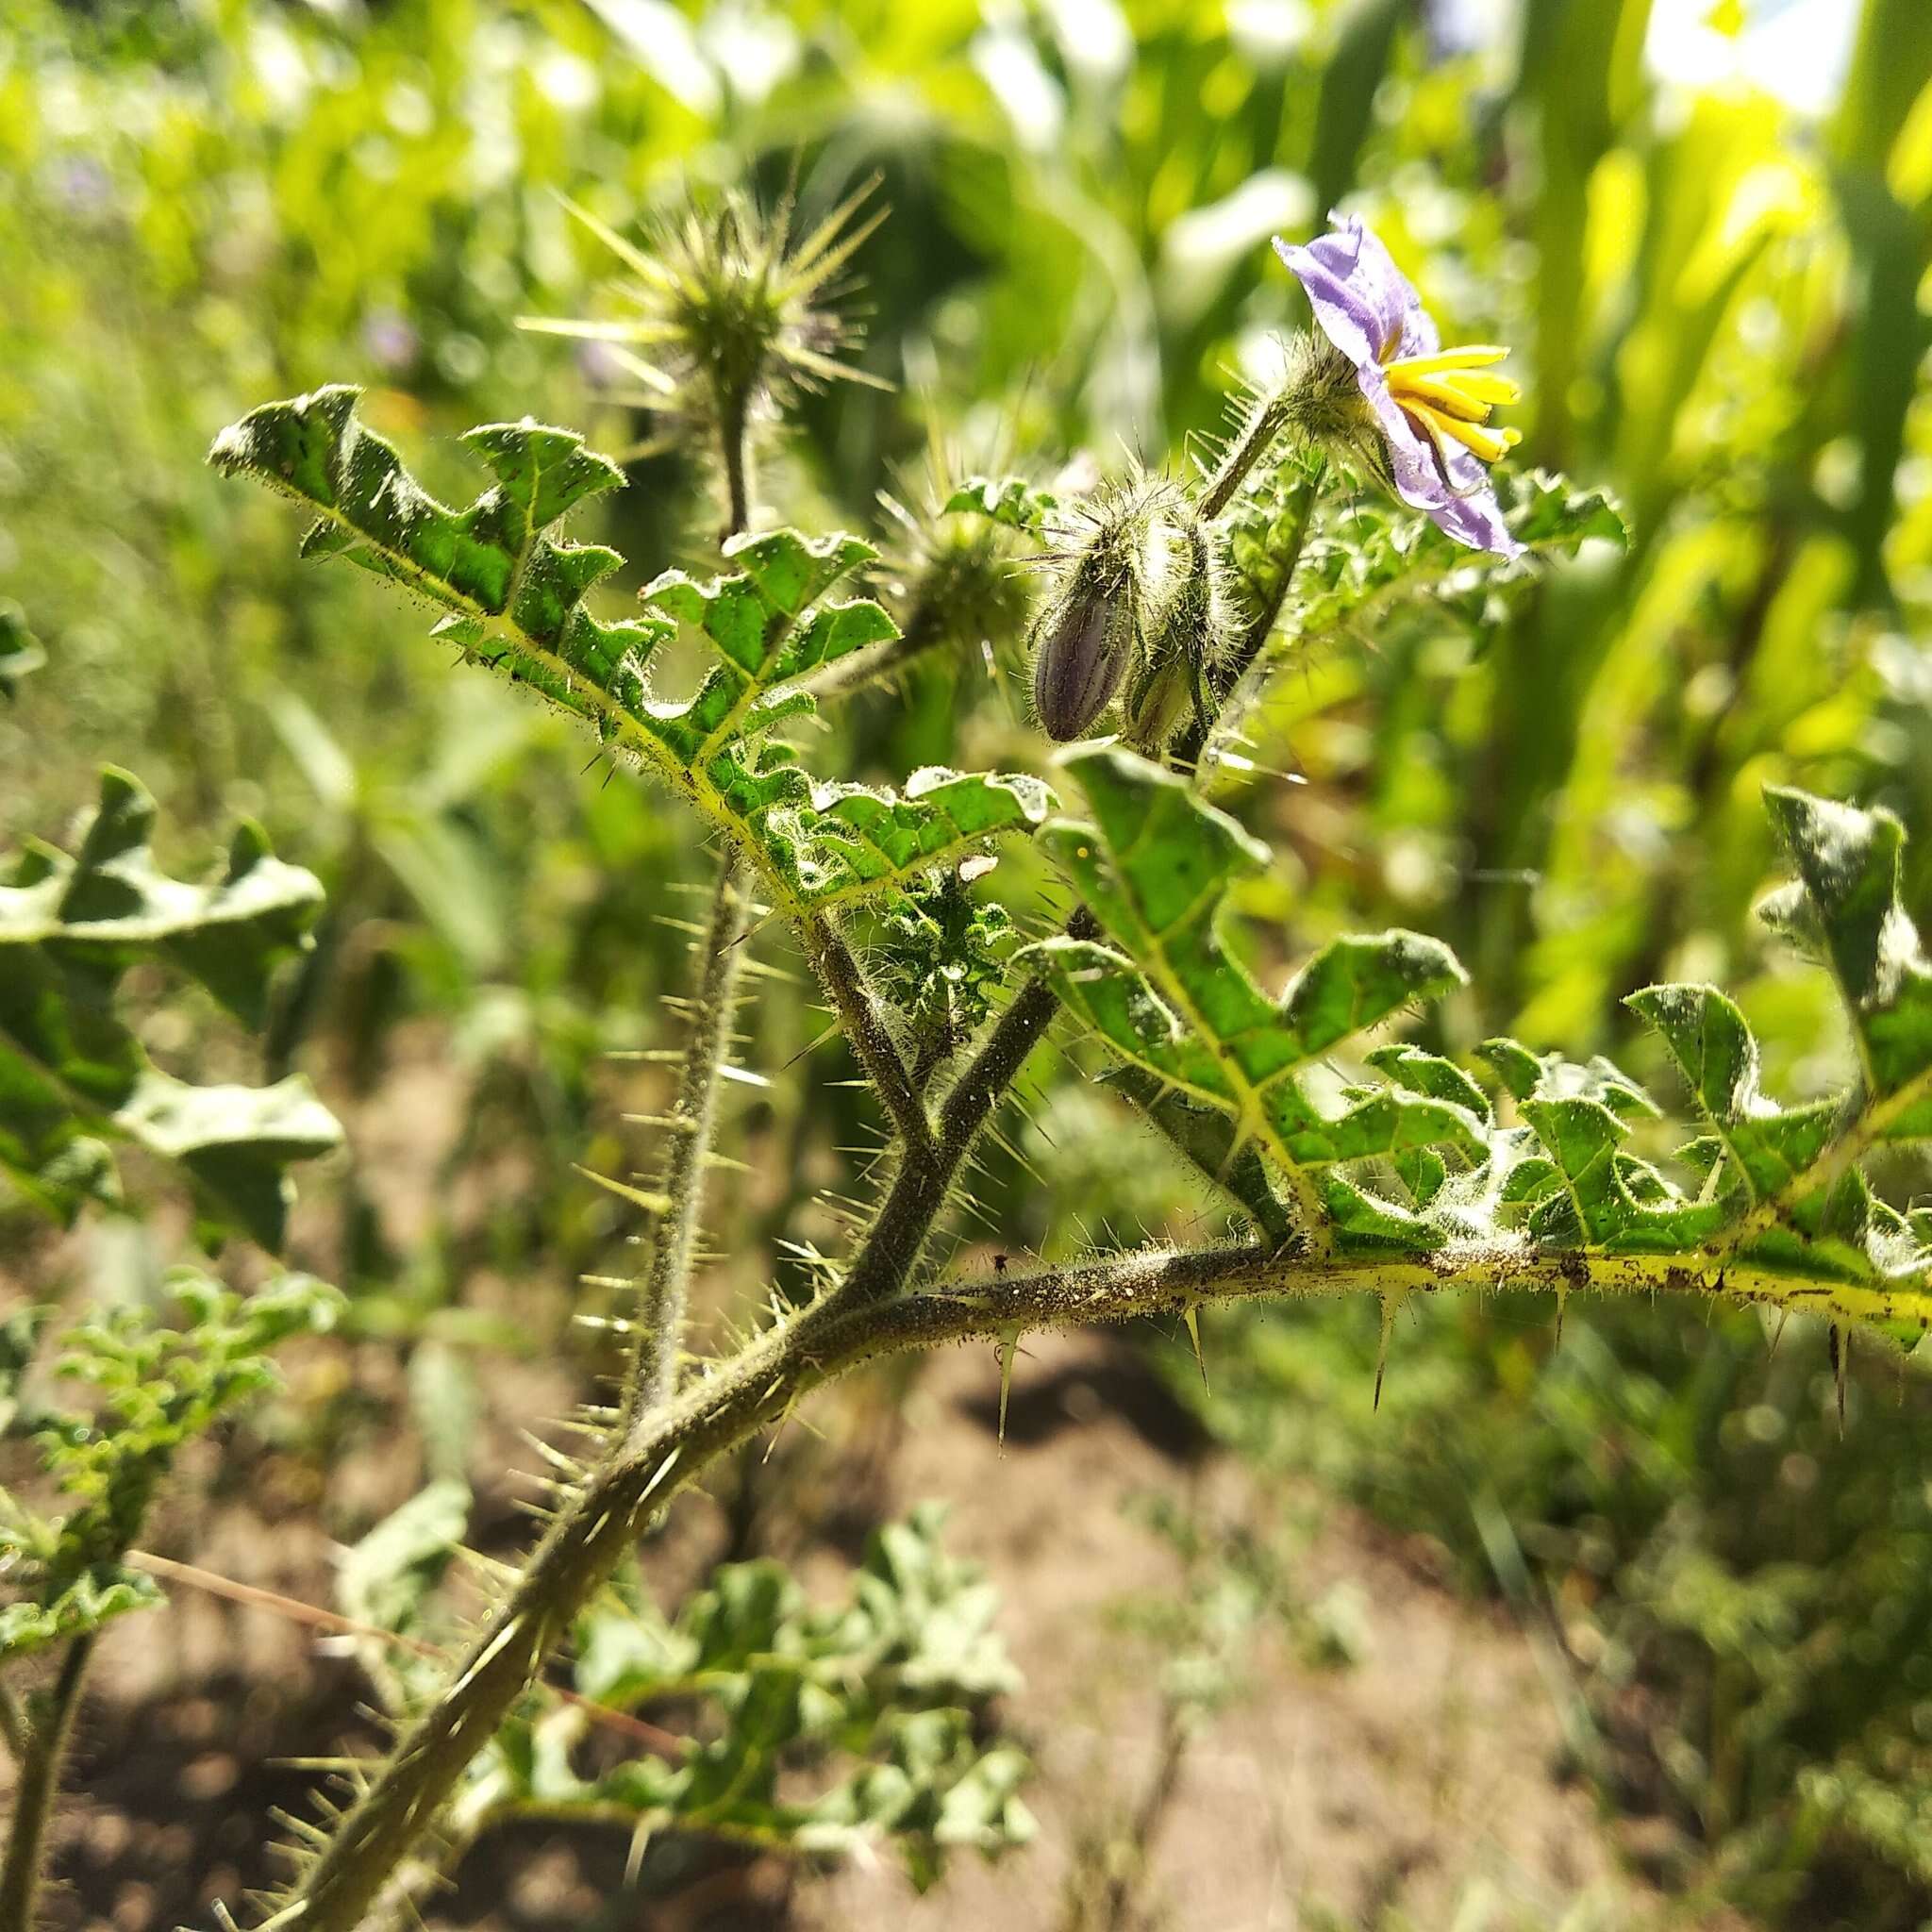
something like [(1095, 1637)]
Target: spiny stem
[(897, 1238), (1194, 739), (660, 1317), (660, 1448), (865, 1027), (1265, 421), (759, 1387), (49, 1718)]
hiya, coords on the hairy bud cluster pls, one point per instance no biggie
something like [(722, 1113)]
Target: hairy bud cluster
[(1136, 603), (951, 581), (1188, 645)]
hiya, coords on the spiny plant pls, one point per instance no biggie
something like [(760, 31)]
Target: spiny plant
[(154, 1388), (1350, 1161), (820, 1731)]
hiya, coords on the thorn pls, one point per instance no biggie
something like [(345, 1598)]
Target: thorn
[(1191, 1316), (1003, 1352), (1840, 1344), (651, 1204), (1389, 1304), (634, 1854), (1562, 1302)]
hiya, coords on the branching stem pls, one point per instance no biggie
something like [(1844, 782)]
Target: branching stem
[(759, 1387), (662, 1444)]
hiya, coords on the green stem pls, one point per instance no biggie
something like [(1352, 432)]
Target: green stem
[(897, 1239), (734, 443), (1265, 421), (1189, 748), (661, 1315), (51, 1718), (865, 1030), (13, 1725), (650, 1459)]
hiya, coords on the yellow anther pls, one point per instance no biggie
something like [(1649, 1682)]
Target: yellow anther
[(1469, 394), (1471, 355), (1489, 445), (1449, 395)]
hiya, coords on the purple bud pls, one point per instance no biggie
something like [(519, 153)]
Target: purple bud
[(1082, 652)]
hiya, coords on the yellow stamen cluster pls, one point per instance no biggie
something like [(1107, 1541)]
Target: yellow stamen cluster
[(1451, 394)]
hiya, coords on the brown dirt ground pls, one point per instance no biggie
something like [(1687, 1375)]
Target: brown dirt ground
[(1419, 1786)]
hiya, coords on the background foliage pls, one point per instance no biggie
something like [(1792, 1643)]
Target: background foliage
[(1707, 238)]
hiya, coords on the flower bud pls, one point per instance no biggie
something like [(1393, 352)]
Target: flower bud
[(1183, 647), (1091, 630), (1082, 647)]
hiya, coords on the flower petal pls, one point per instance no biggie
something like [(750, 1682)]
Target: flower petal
[(1450, 487), (1365, 304)]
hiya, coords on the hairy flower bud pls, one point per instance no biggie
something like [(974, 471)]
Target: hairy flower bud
[(1091, 628), (1081, 652), (1185, 647)]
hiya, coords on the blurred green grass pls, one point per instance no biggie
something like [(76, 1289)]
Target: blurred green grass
[(1707, 231)]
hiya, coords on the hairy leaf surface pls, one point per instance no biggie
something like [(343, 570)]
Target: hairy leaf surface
[(514, 596), (1756, 1199)]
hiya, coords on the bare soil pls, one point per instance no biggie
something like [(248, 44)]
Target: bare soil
[(1416, 1781)]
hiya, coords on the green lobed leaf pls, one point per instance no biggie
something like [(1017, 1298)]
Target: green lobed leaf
[(514, 596), (1362, 559), (1714, 1050), (1421, 1166), (155, 1388), (1156, 865), (1846, 904), (86, 1605), (73, 1074), (890, 1692)]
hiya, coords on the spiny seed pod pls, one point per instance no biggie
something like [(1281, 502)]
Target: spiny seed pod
[(1092, 627), (953, 581), (738, 317)]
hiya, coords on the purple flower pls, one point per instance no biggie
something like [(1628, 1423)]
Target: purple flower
[(389, 341), (1431, 406)]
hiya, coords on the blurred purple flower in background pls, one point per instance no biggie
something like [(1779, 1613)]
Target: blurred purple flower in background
[(389, 341)]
